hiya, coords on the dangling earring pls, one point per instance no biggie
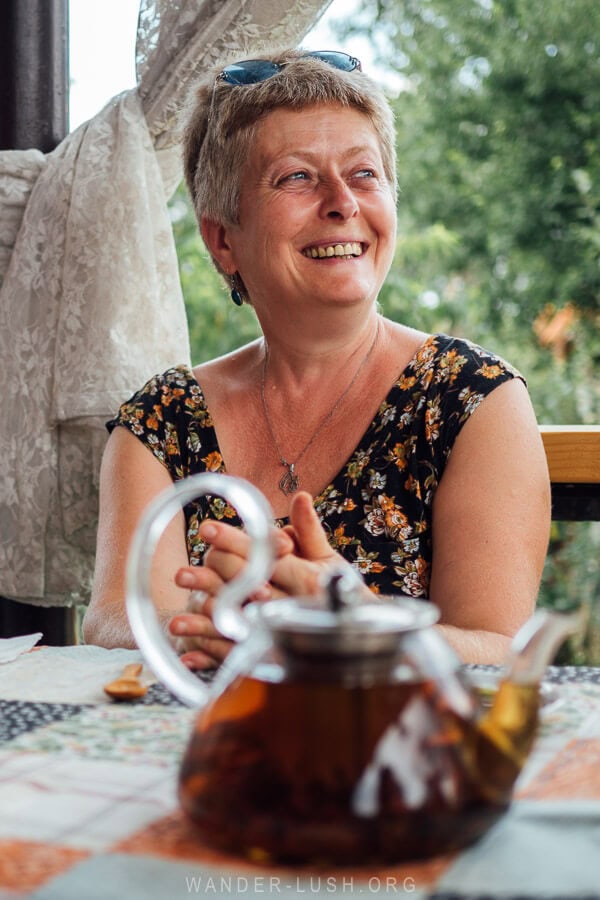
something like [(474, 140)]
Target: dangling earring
[(236, 293)]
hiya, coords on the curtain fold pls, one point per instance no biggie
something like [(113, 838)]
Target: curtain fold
[(90, 301)]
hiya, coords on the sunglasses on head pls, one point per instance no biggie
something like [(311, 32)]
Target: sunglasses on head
[(251, 71)]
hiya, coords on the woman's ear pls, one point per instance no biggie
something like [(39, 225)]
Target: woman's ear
[(216, 239)]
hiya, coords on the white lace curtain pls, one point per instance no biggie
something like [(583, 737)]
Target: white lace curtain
[(90, 301)]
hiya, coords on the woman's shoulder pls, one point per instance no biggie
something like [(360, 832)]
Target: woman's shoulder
[(446, 359), (173, 380), (170, 388), (161, 397)]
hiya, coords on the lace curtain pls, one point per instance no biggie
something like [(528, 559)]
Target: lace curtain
[(90, 301)]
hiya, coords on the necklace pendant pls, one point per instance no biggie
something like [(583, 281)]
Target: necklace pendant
[(289, 482)]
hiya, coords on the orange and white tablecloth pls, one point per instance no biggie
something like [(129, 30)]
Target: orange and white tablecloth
[(88, 806)]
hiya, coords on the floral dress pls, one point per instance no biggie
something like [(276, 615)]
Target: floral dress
[(377, 511)]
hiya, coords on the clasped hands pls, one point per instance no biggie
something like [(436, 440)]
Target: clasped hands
[(302, 555)]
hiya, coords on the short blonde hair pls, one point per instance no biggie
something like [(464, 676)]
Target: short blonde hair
[(220, 120)]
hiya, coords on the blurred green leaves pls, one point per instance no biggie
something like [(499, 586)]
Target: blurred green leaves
[(216, 325)]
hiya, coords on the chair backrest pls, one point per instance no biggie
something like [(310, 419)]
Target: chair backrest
[(573, 454)]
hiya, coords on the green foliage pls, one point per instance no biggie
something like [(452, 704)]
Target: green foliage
[(572, 577), (498, 138), (216, 325), (498, 135), (506, 96)]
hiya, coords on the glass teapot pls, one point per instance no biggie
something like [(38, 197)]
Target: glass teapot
[(338, 730)]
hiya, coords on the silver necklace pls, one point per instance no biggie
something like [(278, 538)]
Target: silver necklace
[(290, 481)]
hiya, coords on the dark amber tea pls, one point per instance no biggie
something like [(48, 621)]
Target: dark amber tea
[(342, 727), (317, 769)]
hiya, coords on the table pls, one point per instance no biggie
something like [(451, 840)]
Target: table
[(88, 806)]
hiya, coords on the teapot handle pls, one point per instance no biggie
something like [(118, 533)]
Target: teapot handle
[(257, 517)]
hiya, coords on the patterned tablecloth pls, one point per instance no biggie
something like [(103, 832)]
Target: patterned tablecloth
[(88, 808)]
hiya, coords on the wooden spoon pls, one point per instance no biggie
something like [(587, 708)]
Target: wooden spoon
[(128, 686)]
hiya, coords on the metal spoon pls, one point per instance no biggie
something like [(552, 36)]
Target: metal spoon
[(128, 686)]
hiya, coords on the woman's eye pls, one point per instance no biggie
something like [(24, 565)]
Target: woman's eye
[(295, 176), (365, 173)]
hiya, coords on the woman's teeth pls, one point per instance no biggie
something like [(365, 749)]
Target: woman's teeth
[(353, 249)]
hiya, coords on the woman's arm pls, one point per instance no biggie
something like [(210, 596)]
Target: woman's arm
[(491, 520), (130, 477)]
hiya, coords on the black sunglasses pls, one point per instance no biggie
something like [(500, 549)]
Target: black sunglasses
[(251, 71)]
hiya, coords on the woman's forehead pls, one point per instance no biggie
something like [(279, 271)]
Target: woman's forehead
[(312, 131)]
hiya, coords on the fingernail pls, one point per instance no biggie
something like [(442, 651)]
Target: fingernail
[(188, 662), (196, 660), (179, 628), (208, 530), (185, 579)]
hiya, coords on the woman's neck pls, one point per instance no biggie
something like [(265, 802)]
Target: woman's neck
[(297, 358)]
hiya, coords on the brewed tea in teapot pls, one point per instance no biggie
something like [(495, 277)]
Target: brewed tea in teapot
[(338, 730)]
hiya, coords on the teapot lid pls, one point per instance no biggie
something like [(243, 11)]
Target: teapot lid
[(344, 623)]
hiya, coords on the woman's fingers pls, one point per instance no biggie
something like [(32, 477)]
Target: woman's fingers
[(197, 660), (216, 650), (194, 632), (228, 553), (228, 539), (304, 570), (198, 578), (196, 638), (298, 577), (310, 538), (225, 565), (194, 625), (225, 537)]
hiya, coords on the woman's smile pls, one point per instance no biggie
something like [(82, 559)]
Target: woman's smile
[(346, 250)]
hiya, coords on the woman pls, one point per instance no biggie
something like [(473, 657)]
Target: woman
[(416, 457)]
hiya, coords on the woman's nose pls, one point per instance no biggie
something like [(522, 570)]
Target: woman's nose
[(338, 200)]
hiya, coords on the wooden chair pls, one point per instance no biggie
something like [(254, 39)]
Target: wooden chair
[(573, 453)]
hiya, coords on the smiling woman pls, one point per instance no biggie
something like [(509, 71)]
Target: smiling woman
[(314, 182), (413, 457)]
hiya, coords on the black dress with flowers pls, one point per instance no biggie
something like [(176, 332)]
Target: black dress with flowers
[(377, 511)]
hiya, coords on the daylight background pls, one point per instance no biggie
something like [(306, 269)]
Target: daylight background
[(498, 134)]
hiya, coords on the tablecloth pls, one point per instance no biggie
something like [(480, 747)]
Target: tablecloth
[(88, 805)]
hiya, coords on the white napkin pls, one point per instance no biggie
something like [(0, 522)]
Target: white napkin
[(10, 648), (66, 675)]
